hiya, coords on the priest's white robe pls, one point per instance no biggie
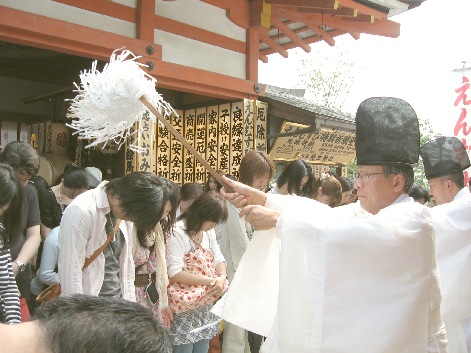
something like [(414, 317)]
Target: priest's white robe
[(452, 222), (343, 280)]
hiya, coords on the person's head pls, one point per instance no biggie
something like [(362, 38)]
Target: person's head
[(256, 169), (94, 176), (86, 324), (205, 213), (419, 194), (75, 181), (379, 186), (444, 188), (212, 184), (138, 197), (387, 146), (188, 193), (469, 185), (444, 159), (347, 190), (22, 158), (10, 203), (47, 202), (326, 190), (295, 176)]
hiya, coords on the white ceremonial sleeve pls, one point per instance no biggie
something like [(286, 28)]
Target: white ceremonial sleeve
[(252, 297), (452, 222), (355, 285)]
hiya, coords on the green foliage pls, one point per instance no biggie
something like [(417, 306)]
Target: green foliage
[(426, 134), (328, 77)]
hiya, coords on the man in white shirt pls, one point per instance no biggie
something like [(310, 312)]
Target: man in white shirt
[(351, 279), (138, 199), (445, 158)]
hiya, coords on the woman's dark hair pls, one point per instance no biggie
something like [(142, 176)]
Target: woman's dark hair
[(190, 191), (209, 206), (418, 192), (10, 193), (142, 198), (293, 175), (255, 164), (49, 210), (346, 183), (218, 187), (20, 155), (331, 187), (172, 195)]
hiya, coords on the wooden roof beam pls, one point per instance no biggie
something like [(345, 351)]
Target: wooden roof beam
[(385, 28), (355, 35), (361, 18), (264, 37), (290, 34), (344, 11), (363, 9), (310, 40), (323, 34), (320, 4)]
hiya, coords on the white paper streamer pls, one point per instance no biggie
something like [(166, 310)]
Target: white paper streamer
[(107, 104)]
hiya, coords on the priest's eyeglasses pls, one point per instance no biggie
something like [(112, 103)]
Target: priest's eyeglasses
[(364, 177)]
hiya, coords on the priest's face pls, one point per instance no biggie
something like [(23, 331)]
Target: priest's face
[(375, 190), (441, 190)]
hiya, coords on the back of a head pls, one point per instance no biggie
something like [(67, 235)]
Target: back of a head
[(20, 155), (255, 164), (346, 183), (141, 197), (332, 188), (76, 179), (418, 192), (10, 194), (209, 206), (190, 191), (86, 324)]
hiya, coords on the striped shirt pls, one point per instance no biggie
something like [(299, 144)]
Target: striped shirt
[(9, 296)]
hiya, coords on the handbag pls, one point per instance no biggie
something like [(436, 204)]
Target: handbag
[(54, 290)]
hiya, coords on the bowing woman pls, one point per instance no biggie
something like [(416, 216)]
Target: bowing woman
[(197, 272), (10, 201)]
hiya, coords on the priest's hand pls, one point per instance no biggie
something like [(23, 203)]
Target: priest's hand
[(243, 194), (261, 218)]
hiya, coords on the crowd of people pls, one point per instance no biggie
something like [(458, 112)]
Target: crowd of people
[(140, 262)]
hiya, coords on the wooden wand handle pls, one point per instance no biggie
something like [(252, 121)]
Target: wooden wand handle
[(185, 143)]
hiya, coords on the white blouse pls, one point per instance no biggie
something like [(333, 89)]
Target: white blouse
[(180, 244)]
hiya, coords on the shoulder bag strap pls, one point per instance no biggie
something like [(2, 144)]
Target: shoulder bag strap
[(98, 251)]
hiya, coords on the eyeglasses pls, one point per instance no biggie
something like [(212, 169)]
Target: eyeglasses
[(364, 177)]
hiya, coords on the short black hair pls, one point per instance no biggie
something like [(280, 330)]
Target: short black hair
[(86, 324)]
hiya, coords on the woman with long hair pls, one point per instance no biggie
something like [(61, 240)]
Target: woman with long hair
[(151, 278), (294, 177)]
